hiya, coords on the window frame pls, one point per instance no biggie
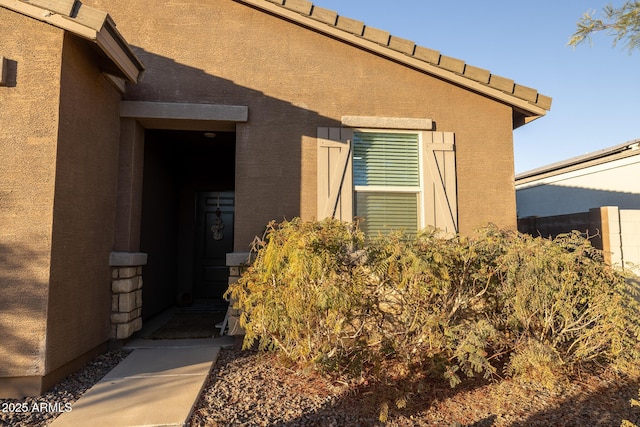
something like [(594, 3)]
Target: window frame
[(334, 175), (417, 190)]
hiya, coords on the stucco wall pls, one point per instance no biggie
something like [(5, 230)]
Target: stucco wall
[(294, 80), (84, 208), (630, 239), (613, 183), (29, 128)]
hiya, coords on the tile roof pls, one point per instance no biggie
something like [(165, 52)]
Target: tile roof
[(429, 60), (97, 26)]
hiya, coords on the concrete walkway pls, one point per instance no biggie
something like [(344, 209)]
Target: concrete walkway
[(158, 384)]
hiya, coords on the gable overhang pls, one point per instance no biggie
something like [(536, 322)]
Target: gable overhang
[(116, 57), (526, 103)]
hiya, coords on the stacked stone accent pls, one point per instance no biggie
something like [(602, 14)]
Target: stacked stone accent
[(237, 262), (126, 288)]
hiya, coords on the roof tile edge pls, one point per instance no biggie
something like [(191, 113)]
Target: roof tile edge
[(421, 53), (327, 16)]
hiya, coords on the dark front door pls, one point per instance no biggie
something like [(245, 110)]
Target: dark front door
[(214, 239)]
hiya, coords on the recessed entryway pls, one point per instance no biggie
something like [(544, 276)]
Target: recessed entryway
[(187, 217)]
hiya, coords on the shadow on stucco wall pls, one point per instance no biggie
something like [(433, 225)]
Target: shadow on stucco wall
[(23, 306), (275, 149), (274, 153)]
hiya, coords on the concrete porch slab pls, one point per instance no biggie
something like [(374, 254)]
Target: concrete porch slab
[(154, 362), (128, 402), (151, 387)]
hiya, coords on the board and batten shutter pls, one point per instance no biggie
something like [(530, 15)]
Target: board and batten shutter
[(335, 175), (440, 191)]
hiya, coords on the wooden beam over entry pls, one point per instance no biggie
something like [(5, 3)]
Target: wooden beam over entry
[(184, 116)]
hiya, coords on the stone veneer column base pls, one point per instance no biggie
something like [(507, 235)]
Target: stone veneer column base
[(126, 291)]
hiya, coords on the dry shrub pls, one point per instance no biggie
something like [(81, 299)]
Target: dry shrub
[(398, 309), (560, 294)]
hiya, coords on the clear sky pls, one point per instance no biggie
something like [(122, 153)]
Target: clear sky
[(595, 90)]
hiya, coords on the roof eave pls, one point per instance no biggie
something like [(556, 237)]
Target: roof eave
[(616, 152), (90, 24), (111, 42)]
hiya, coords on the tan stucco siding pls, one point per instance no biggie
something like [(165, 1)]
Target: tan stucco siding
[(28, 123), (294, 80), (84, 208)]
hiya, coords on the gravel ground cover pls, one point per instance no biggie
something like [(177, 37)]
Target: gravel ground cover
[(252, 389), (42, 410), (248, 388)]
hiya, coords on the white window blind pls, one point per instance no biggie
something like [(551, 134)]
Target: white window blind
[(384, 212), (385, 159), (386, 176)]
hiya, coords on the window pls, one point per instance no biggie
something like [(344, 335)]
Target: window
[(386, 178), (399, 177)]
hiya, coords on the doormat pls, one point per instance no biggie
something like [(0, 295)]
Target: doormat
[(191, 324)]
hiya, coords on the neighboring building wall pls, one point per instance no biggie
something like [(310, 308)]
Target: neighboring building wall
[(597, 194), (630, 239), (79, 311), (295, 80), (614, 231), (614, 183), (29, 131)]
